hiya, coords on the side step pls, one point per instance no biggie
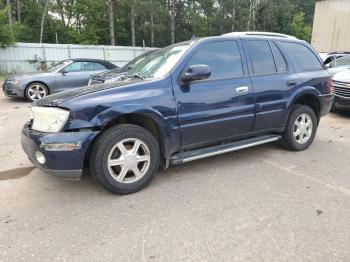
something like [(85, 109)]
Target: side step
[(188, 156)]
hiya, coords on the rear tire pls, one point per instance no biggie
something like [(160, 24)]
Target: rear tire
[(124, 159), (301, 128)]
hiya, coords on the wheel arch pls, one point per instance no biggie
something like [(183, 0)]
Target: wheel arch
[(150, 121), (308, 97)]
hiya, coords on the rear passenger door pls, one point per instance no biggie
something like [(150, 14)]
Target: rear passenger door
[(273, 79), (221, 106)]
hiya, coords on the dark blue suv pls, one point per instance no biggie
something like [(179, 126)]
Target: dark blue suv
[(184, 102)]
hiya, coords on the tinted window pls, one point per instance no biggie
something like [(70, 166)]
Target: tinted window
[(223, 58), (302, 56), (261, 55), (279, 59), (328, 60)]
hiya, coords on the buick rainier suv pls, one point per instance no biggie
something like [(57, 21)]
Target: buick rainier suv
[(184, 102)]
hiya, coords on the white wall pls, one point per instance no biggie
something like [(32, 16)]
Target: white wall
[(16, 58)]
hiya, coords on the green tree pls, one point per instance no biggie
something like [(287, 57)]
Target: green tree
[(6, 38), (298, 27)]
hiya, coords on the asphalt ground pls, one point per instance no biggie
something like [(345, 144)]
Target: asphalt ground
[(259, 204)]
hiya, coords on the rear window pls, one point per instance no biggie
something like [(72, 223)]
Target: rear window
[(302, 56), (261, 55)]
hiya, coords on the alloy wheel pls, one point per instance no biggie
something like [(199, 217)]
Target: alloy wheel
[(129, 160), (36, 92), (302, 129)]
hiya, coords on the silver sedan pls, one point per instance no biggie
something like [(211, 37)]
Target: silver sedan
[(65, 75)]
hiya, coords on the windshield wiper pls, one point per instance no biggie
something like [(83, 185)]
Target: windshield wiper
[(138, 76)]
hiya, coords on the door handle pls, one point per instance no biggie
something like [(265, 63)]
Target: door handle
[(242, 89)]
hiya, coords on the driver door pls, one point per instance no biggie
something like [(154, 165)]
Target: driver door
[(221, 106), (76, 74)]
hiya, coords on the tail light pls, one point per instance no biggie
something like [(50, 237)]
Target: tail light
[(330, 87)]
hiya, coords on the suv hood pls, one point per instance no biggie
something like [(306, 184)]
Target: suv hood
[(58, 98)]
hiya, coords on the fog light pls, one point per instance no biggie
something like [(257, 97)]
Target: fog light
[(40, 157)]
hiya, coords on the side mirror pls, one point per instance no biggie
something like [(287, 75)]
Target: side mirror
[(196, 72), (63, 71), (327, 65)]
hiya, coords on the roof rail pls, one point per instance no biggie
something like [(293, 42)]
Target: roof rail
[(255, 33)]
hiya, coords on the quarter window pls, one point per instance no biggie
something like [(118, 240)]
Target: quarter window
[(302, 56), (279, 59), (223, 58), (261, 56)]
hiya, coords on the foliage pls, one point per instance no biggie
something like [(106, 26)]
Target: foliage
[(298, 27), (86, 21), (6, 38)]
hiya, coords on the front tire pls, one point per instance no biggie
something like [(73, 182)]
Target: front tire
[(301, 128), (36, 91), (124, 159)]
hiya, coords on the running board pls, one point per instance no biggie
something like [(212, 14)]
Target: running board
[(188, 156)]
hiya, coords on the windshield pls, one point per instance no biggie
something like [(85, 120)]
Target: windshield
[(136, 60), (57, 66), (158, 63)]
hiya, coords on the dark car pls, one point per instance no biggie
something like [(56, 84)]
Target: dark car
[(188, 101), (341, 84), (116, 74), (65, 75)]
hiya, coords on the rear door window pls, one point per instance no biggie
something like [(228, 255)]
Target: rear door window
[(302, 56), (261, 56), (223, 58)]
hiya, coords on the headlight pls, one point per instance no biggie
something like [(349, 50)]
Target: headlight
[(12, 81), (48, 119)]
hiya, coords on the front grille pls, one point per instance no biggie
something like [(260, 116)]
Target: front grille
[(341, 88), (96, 81)]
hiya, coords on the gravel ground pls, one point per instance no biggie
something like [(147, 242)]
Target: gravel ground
[(259, 204)]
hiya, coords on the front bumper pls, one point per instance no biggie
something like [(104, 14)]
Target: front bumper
[(62, 163), (325, 103), (341, 102), (12, 90)]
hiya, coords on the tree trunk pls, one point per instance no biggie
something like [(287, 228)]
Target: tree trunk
[(233, 19), (9, 14), (111, 21), (220, 17), (172, 21), (250, 14), (19, 11), (43, 20), (152, 30), (253, 7), (132, 19)]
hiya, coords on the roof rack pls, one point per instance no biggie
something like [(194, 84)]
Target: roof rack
[(255, 33)]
